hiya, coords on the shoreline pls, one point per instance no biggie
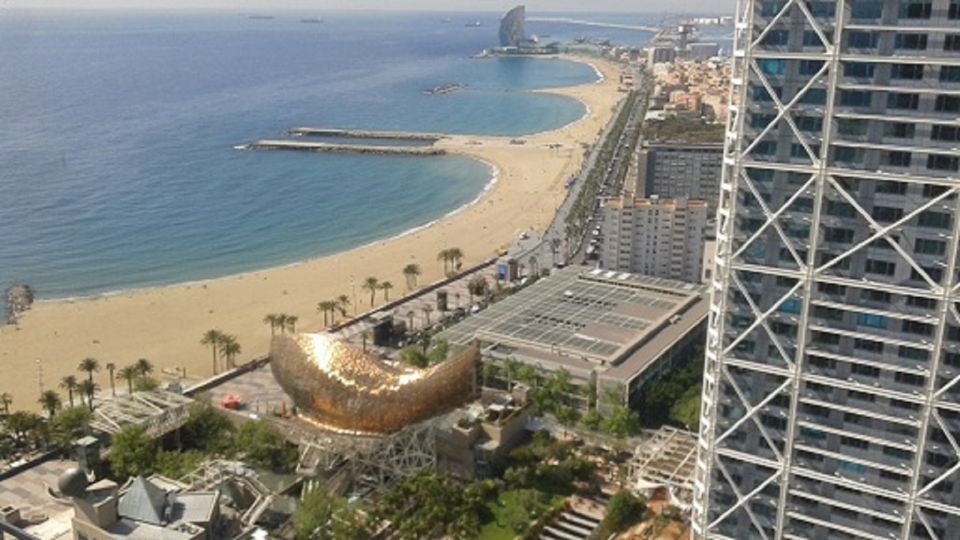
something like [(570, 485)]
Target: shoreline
[(491, 181), (164, 323)]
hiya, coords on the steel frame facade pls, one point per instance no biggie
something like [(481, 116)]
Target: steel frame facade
[(831, 405)]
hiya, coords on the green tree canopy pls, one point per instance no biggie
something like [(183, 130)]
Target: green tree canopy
[(263, 445), (624, 510), (132, 453)]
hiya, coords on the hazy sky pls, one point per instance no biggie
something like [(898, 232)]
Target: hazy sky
[(648, 6)]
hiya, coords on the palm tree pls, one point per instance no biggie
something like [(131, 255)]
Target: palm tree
[(212, 338), (343, 301), (282, 322), (371, 284), (291, 323), (143, 366), (555, 248), (89, 365), (50, 401), (385, 287), (444, 255), (111, 367), (69, 383), (88, 388), (271, 319), (6, 400), (230, 349), (410, 315), (511, 367), (427, 310), (477, 286), (456, 256), (410, 272), (129, 374), (326, 307)]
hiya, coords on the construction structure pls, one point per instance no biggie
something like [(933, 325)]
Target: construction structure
[(158, 412), (666, 459), (830, 405)]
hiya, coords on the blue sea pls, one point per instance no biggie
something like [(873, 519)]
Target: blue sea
[(117, 167)]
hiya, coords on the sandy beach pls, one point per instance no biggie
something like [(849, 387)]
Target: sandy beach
[(165, 324)]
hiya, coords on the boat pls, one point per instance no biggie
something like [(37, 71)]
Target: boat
[(474, 24), (312, 20)]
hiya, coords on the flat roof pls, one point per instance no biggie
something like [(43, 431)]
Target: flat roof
[(587, 319)]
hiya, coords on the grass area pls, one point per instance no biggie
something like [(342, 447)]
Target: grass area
[(515, 509)]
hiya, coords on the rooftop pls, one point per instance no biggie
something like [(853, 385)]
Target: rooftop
[(587, 319)]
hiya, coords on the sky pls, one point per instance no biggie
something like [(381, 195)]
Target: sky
[(595, 6)]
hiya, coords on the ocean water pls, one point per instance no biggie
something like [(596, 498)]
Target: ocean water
[(117, 167)]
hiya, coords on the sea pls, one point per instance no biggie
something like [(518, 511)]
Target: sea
[(117, 133)]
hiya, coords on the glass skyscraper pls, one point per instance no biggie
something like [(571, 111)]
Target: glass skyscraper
[(832, 386)]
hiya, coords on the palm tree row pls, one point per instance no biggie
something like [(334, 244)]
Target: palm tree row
[(451, 258), (226, 347), (411, 272), (280, 321), (87, 388), (329, 309)]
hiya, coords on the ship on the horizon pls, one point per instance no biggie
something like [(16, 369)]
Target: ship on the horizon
[(312, 20), (474, 24), (444, 89)]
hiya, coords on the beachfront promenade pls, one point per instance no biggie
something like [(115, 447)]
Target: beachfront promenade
[(308, 146)]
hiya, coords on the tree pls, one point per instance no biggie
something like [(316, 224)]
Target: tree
[(456, 256), (686, 411), (265, 446), (212, 338), (343, 302), (411, 272), (413, 357), (69, 425), (431, 505), (127, 373), (143, 367), (69, 383), (89, 365), (427, 310), (322, 515), (567, 416), (444, 256), (326, 307), (22, 423), (111, 367), (271, 319), (5, 401), (487, 372), (623, 511), (385, 287), (50, 401), (230, 349), (511, 369), (282, 322), (410, 315), (370, 284), (88, 388), (207, 430), (132, 453), (477, 286), (291, 322)]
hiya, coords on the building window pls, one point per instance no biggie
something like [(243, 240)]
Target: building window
[(760, 93), (899, 130), (840, 209), (776, 37), (934, 220), (872, 321), (770, 8), (897, 159), (772, 67), (852, 126), (765, 148), (915, 9), (937, 162), (913, 42), (867, 9), (903, 101), (855, 98), (912, 353), (947, 104), (809, 123), (843, 236), (950, 74), (868, 371), (868, 345), (954, 12), (853, 69), (930, 247), (860, 39), (918, 328), (951, 42), (945, 133), (909, 378), (884, 268), (906, 71), (887, 214), (815, 96), (847, 154), (811, 39), (891, 188)]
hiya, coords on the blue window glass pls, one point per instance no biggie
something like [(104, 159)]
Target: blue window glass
[(855, 98), (821, 9), (950, 74), (776, 37), (860, 39), (814, 96), (770, 8), (855, 468), (870, 9), (872, 321), (790, 306), (810, 67), (811, 39), (770, 66), (765, 148)]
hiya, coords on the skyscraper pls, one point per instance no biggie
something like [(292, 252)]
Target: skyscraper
[(832, 383)]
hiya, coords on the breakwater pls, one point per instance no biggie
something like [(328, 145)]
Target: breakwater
[(306, 146), (365, 134)]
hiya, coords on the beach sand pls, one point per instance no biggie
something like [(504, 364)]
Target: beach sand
[(165, 324)]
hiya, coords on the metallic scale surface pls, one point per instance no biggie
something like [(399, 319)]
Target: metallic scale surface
[(831, 397), (346, 388)]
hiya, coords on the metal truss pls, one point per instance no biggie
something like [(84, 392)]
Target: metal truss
[(158, 411), (773, 464)]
